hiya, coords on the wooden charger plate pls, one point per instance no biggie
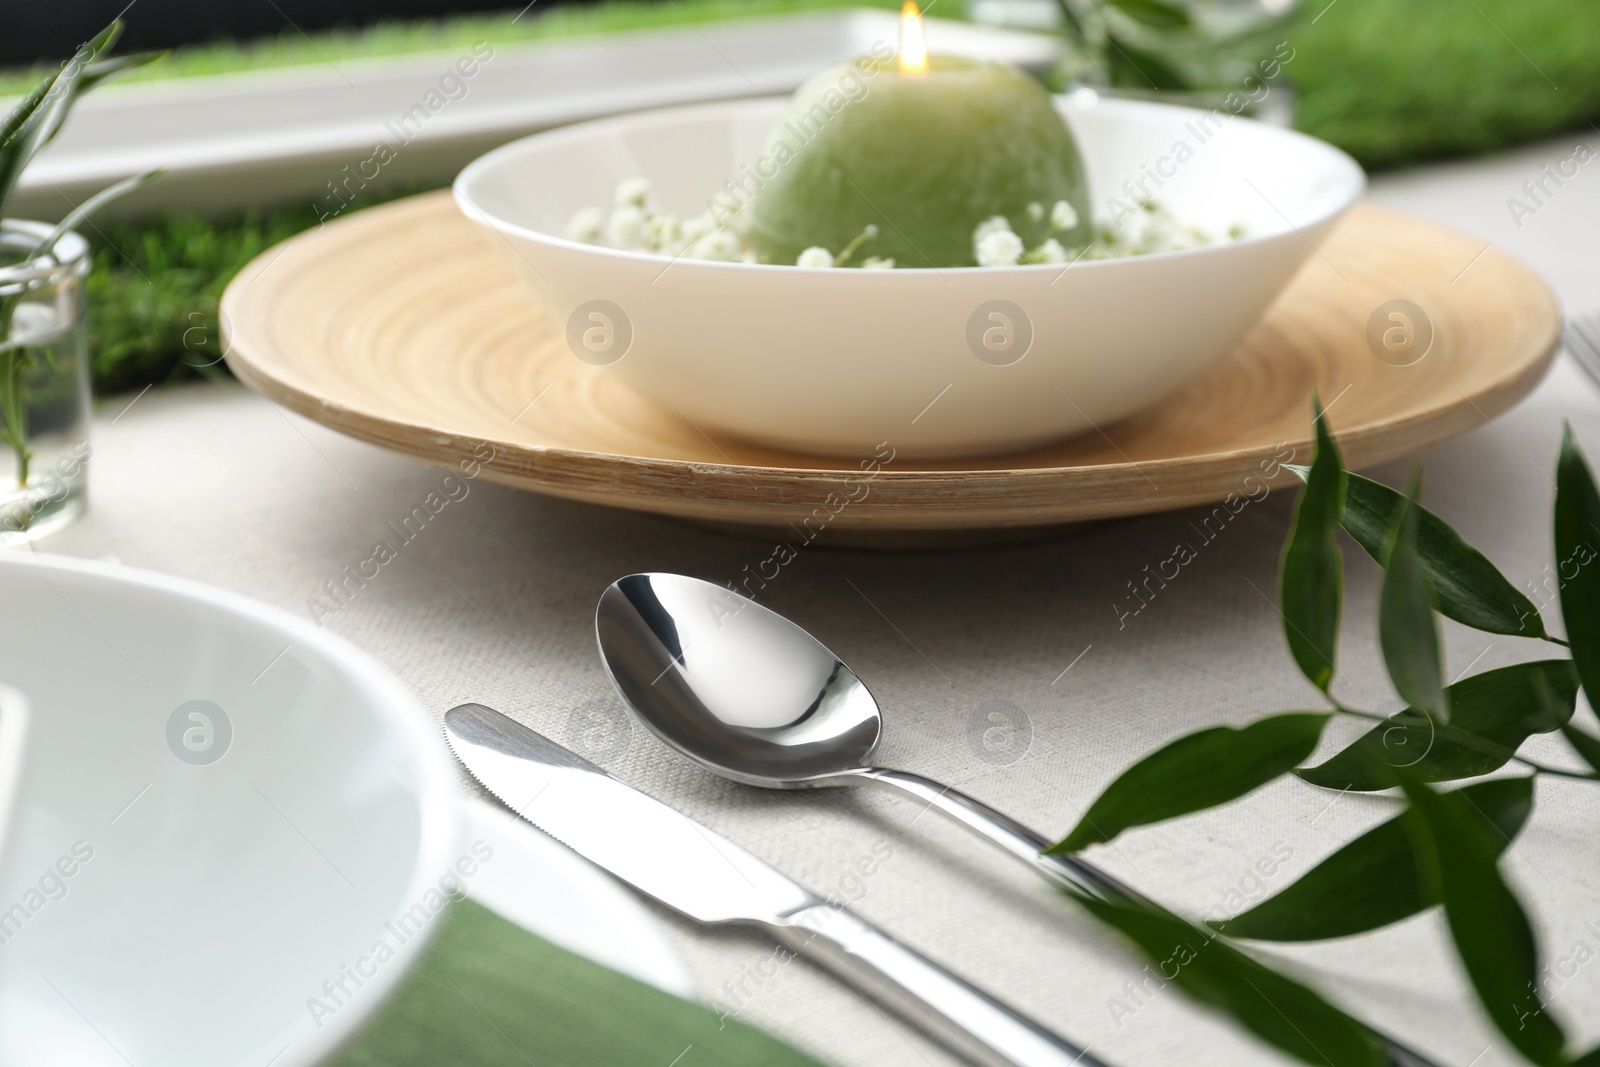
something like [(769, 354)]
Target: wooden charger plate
[(402, 326)]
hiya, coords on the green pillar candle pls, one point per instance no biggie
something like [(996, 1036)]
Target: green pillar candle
[(924, 158)]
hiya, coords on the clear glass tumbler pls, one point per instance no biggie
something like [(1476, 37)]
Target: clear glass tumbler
[(44, 382)]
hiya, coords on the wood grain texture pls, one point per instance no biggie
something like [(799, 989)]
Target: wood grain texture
[(401, 326)]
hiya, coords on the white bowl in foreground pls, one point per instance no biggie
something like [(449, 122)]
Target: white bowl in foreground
[(221, 809), (837, 361)]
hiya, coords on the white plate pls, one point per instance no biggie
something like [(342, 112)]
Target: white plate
[(183, 880), (841, 361), (13, 734)]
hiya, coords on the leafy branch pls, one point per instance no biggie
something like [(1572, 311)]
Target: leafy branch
[(31, 125), (1168, 45), (1442, 847)]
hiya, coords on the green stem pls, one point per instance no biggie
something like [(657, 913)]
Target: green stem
[(1554, 640), (1472, 741), (12, 403)]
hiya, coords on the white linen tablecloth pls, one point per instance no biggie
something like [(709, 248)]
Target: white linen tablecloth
[(493, 602)]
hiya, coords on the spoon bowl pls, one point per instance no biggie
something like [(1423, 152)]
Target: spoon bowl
[(735, 687)]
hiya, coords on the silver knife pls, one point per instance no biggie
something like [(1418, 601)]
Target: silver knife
[(666, 855)]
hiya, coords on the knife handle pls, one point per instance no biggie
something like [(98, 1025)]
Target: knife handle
[(964, 1017)]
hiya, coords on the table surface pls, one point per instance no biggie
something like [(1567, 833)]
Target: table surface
[(493, 601)]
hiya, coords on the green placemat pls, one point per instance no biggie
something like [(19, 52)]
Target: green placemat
[(488, 993)]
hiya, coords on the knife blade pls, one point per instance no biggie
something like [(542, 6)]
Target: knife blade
[(668, 856)]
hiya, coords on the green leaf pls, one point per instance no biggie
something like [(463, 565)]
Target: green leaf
[(1134, 67), (1470, 589), (1493, 713), (1374, 880), (1577, 533), (1407, 631), (1586, 745), (44, 121), (1491, 932), (1156, 13), (90, 206), (1311, 573), (101, 69), (1197, 771), (1588, 1059), (1278, 1010)]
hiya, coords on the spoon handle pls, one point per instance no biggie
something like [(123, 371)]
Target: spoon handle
[(1015, 838), (1069, 871)]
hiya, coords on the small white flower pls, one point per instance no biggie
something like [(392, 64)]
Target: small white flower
[(999, 248), (993, 224), (1063, 216), (625, 228), (1049, 252), (633, 191), (661, 231), (878, 263), (585, 226), (815, 256), (1035, 211), (718, 245), (697, 226)]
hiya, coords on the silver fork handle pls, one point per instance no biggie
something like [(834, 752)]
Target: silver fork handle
[(963, 1016), (1069, 871)]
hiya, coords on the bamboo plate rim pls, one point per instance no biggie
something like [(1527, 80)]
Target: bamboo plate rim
[(1006, 491)]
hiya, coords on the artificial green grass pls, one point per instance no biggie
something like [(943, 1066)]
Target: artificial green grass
[(1391, 81), (1401, 81)]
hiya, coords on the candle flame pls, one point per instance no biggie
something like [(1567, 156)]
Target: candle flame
[(913, 45)]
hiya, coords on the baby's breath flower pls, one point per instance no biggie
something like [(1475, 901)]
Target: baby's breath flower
[(718, 245), (586, 225), (625, 228), (633, 191), (993, 224), (1035, 211), (999, 248), (815, 256), (697, 226), (1049, 252), (1063, 216), (661, 231), (878, 263)]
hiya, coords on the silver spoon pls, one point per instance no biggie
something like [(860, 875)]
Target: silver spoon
[(749, 695), (746, 693)]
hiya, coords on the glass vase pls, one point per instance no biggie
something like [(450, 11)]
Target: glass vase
[(44, 382)]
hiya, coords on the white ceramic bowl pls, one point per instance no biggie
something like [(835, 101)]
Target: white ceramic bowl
[(184, 893), (837, 361)]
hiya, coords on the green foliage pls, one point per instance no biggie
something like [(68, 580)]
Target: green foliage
[(1586, 745), (1198, 771), (1491, 932), (1407, 630), (1493, 713), (1311, 573), (1443, 848), (36, 119), (1280, 1011), (1395, 82), (1577, 533), (1374, 880), (1470, 589)]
